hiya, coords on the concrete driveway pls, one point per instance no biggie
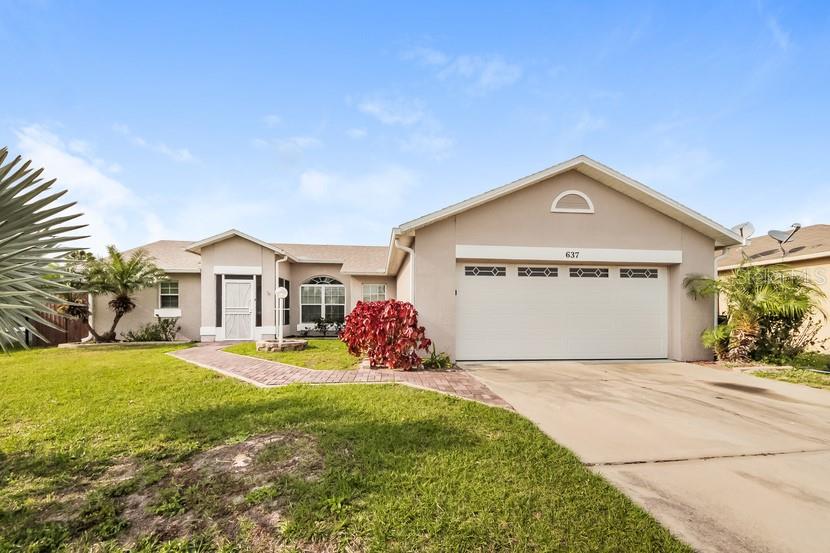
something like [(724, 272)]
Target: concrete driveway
[(727, 461)]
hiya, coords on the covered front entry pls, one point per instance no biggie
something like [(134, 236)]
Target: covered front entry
[(239, 308), (558, 311)]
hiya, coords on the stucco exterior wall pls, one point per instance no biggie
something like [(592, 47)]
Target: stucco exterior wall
[(523, 218), (147, 301), (403, 280), (301, 272), (356, 283), (817, 270), (237, 252)]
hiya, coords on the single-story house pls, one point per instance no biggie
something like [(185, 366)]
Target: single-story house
[(808, 251), (574, 262)]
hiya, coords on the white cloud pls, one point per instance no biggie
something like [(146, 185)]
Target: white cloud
[(779, 35), (425, 134), (485, 74), (217, 209), (291, 148), (394, 111), (587, 123), (272, 120), (426, 56), (176, 154), (382, 188), (357, 133), (432, 145), (677, 167), (109, 207), (482, 74)]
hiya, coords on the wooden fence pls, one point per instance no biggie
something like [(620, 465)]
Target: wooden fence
[(69, 330)]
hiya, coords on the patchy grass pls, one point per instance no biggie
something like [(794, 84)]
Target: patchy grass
[(798, 376), (799, 373), (113, 449), (319, 354)]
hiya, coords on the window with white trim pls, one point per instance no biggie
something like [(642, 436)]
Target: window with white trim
[(322, 298), (374, 292), (286, 303), (169, 294), (572, 201)]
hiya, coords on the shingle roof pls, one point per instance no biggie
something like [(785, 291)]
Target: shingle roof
[(355, 259), (172, 255), (809, 242)]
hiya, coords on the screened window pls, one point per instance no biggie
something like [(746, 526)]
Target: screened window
[(322, 297), (374, 292), (169, 294), (286, 305)]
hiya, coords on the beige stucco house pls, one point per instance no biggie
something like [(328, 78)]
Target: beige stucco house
[(808, 251), (575, 262)]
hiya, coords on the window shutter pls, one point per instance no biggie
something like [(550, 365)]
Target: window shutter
[(218, 301), (259, 300)]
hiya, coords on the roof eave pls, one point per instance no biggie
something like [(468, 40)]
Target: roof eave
[(720, 234), (196, 247)]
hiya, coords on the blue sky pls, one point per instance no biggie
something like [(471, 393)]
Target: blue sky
[(332, 123)]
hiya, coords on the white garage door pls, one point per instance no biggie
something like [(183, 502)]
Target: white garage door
[(526, 311)]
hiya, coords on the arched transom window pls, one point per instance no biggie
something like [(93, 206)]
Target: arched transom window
[(572, 201), (322, 297)]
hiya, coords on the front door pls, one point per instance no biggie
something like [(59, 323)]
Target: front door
[(239, 309)]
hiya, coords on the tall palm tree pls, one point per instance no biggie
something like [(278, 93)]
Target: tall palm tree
[(754, 295), (33, 229), (121, 277)]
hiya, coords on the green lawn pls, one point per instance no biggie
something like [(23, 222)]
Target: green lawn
[(799, 373), (319, 354), (137, 447)]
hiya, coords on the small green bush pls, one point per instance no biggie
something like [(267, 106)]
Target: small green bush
[(437, 360), (163, 330)]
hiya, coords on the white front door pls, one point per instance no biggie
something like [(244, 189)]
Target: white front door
[(239, 309), (558, 311)]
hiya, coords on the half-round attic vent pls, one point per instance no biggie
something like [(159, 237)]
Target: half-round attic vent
[(572, 201)]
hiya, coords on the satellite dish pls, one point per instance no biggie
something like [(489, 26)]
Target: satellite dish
[(784, 236), (744, 230)]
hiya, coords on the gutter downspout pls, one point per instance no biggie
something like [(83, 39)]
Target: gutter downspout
[(277, 312), (411, 253)]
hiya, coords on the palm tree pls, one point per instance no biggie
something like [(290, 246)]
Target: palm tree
[(121, 277), (33, 227), (754, 296)]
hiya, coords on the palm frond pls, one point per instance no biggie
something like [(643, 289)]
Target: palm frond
[(32, 238)]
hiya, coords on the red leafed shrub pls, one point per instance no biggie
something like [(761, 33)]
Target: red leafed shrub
[(387, 332)]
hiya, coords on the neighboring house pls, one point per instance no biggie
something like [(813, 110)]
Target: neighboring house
[(575, 262), (808, 251)]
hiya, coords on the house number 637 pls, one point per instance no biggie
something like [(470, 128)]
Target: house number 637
[(572, 255)]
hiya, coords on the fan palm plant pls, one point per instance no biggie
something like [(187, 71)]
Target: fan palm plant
[(120, 276), (33, 229), (754, 296)]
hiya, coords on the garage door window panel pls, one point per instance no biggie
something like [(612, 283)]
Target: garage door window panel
[(538, 272), (588, 272), (630, 272), (485, 270)]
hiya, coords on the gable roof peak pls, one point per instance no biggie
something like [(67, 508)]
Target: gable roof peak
[(601, 173), (196, 247)]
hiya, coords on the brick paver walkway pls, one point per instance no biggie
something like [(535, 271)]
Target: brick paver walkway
[(262, 372)]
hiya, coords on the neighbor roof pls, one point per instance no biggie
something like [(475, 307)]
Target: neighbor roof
[(808, 243), (597, 171)]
